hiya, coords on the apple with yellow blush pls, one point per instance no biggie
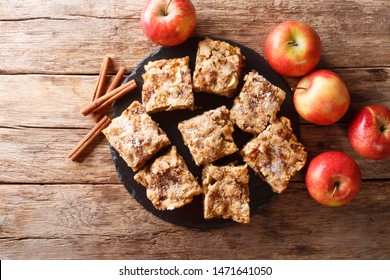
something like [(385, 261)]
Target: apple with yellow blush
[(321, 97)]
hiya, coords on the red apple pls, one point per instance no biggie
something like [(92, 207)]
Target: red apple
[(333, 178), (321, 97), (168, 22), (369, 132), (293, 48)]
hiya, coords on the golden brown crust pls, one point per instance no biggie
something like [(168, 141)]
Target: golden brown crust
[(168, 181), (257, 104), (226, 192), (136, 136), (209, 135), (218, 68), (275, 154), (167, 85)]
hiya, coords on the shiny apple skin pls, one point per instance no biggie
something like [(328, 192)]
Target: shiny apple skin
[(293, 48), (321, 97), (169, 29), (369, 132), (330, 168)]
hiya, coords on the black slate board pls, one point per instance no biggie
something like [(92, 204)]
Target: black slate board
[(191, 215)]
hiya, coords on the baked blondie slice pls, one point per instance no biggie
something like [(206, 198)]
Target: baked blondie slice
[(226, 192), (209, 136), (257, 104), (135, 136), (167, 85), (169, 184), (218, 68), (275, 154)]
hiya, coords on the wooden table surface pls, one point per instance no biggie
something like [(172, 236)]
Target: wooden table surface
[(54, 208)]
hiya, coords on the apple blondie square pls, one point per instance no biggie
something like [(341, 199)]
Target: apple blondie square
[(167, 85), (209, 136), (226, 192), (135, 136), (218, 67), (275, 154), (169, 184), (257, 104)]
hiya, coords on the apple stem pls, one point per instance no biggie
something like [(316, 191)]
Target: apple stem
[(336, 186), (292, 43), (294, 89), (166, 8), (383, 124)]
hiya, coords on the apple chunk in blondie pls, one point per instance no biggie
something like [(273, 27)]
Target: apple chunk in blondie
[(209, 135), (226, 192), (169, 184), (275, 154), (135, 136), (257, 104), (218, 67), (167, 85)]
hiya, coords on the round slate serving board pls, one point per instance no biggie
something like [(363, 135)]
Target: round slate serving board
[(191, 215)]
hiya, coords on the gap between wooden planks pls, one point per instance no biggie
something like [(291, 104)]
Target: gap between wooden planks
[(75, 221)]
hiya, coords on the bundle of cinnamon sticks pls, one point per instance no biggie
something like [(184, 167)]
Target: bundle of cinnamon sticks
[(101, 100)]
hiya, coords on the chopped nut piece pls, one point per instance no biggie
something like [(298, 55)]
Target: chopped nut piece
[(226, 192), (218, 68), (257, 104), (136, 136), (209, 135), (167, 85), (275, 154), (168, 181)]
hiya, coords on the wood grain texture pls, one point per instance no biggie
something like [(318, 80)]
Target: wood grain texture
[(56, 100), (53, 208), (75, 221), (72, 37)]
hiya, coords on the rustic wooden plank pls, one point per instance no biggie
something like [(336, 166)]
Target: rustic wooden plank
[(56, 100), (104, 222), (45, 100), (27, 10), (40, 156), (72, 46), (80, 34), (53, 208)]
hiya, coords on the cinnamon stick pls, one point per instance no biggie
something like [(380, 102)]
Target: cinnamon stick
[(89, 138), (117, 79), (114, 84), (108, 98), (102, 79)]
